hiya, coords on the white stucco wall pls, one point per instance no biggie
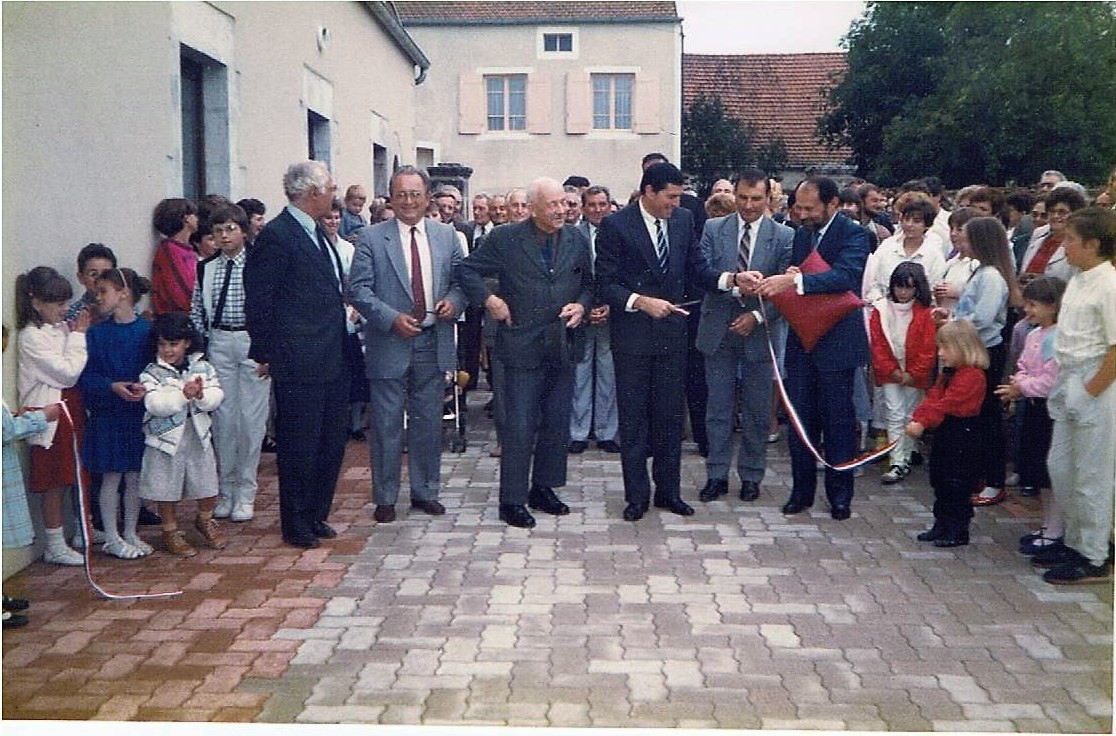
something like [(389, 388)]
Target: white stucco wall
[(503, 160)]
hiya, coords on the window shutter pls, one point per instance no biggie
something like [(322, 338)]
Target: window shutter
[(538, 104), (646, 119), (579, 103), (471, 110)]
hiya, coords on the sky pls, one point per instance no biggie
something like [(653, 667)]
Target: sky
[(765, 26)]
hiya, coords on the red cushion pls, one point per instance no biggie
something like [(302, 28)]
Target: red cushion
[(813, 315)]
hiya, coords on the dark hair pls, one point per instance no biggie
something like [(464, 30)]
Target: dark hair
[(405, 170), (865, 189), (933, 186), (850, 195), (228, 213), (575, 181), (42, 283), (1045, 290), (94, 250), (909, 273), (1020, 200), (173, 326), (336, 205), (595, 190), (252, 207), (915, 185), (659, 176), (961, 216), (656, 156), (126, 277), (751, 175), (920, 206), (1095, 223), (989, 244), (823, 185), (1067, 196), (170, 215)]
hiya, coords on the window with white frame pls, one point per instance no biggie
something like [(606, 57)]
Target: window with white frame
[(506, 96), (612, 101), (557, 42)]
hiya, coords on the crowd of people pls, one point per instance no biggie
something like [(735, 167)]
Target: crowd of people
[(985, 319)]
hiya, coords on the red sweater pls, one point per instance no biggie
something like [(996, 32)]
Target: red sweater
[(921, 349), (962, 398)]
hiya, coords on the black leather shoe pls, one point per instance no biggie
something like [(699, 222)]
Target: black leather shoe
[(953, 538), (546, 500), (516, 515), (713, 489), (609, 446), (385, 514), (432, 507), (840, 513), (932, 534), (323, 530), (676, 506), (794, 507), (578, 446), (305, 541), (749, 491), (634, 511), (16, 604)]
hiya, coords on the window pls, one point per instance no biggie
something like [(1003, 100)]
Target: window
[(205, 124), (553, 42), (612, 101), (506, 96), (380, 175), (317, 135)]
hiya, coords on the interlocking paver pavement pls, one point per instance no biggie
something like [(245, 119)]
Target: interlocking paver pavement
[(737, 617)]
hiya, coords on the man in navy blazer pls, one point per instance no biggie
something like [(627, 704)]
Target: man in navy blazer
[(545, 292), (820, 381), (733, 332), (408, 339), (645, 253), (296, 321)]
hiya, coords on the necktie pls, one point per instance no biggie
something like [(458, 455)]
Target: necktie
[(548, 253), (661, 245), (224, 293), (417, 289), (746, 247), (815, 238)]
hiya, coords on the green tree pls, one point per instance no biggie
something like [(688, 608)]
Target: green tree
[(1016, 88), (715, 146)]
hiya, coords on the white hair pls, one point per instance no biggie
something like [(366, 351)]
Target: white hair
[(303, 177), (539, 185), (1080, 189)]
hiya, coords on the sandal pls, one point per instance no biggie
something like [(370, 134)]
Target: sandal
[(119, 548)]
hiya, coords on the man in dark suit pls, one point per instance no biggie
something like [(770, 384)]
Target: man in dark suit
[(645, 253), (820, 381), (546, 290), (403, 282), (733, 332), (296, 320)]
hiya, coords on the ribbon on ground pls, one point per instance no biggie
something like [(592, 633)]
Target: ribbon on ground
[(87, 524), (800, 429)]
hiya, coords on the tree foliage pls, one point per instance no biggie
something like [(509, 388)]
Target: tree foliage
[(978, 92), (716, 146)]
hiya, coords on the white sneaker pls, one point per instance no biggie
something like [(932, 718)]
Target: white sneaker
[(224, 507), (240, 512), (63, 556), (1012, 480), (896, 474)]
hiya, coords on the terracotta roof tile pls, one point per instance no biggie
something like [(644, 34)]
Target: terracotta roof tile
[(422, 12), (780, 94)]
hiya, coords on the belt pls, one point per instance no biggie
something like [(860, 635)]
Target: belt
[(230, 328)]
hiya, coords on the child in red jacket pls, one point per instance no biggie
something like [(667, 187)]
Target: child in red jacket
[(903, 352), (953, 406)]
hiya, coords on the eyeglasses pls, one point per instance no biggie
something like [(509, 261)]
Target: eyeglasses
[(412, 194), (230, 228)]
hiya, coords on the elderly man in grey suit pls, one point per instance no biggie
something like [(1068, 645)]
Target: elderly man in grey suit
[(732, 333), (403, 281), (545, 291)]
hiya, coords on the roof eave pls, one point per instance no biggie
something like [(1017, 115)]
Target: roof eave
[(387, 17)]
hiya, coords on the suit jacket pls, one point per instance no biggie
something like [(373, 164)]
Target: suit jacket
[(293, 305), (845, 248), (380, 289), (534, 295), (771, 254), (627, 264)]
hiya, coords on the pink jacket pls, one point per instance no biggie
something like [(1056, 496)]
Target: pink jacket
[(1037, 367)]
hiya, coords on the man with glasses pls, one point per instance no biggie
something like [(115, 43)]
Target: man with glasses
[(1050, 179), (403, 283), (296, 319)]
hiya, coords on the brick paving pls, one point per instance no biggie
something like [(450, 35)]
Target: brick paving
[(737, 617)]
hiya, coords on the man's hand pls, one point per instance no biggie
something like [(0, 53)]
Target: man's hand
[(598, 315), (914, 429), (445, 310), (776, 284), (940, 315), (498, 310), (262, 370), (572, 314), (128, 390), (406, 326), (747, 281), (743, 325), (656, 308)]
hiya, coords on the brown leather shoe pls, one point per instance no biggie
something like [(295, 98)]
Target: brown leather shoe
[(384, 514), (430, 506), (176, 544), (211, 533)]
